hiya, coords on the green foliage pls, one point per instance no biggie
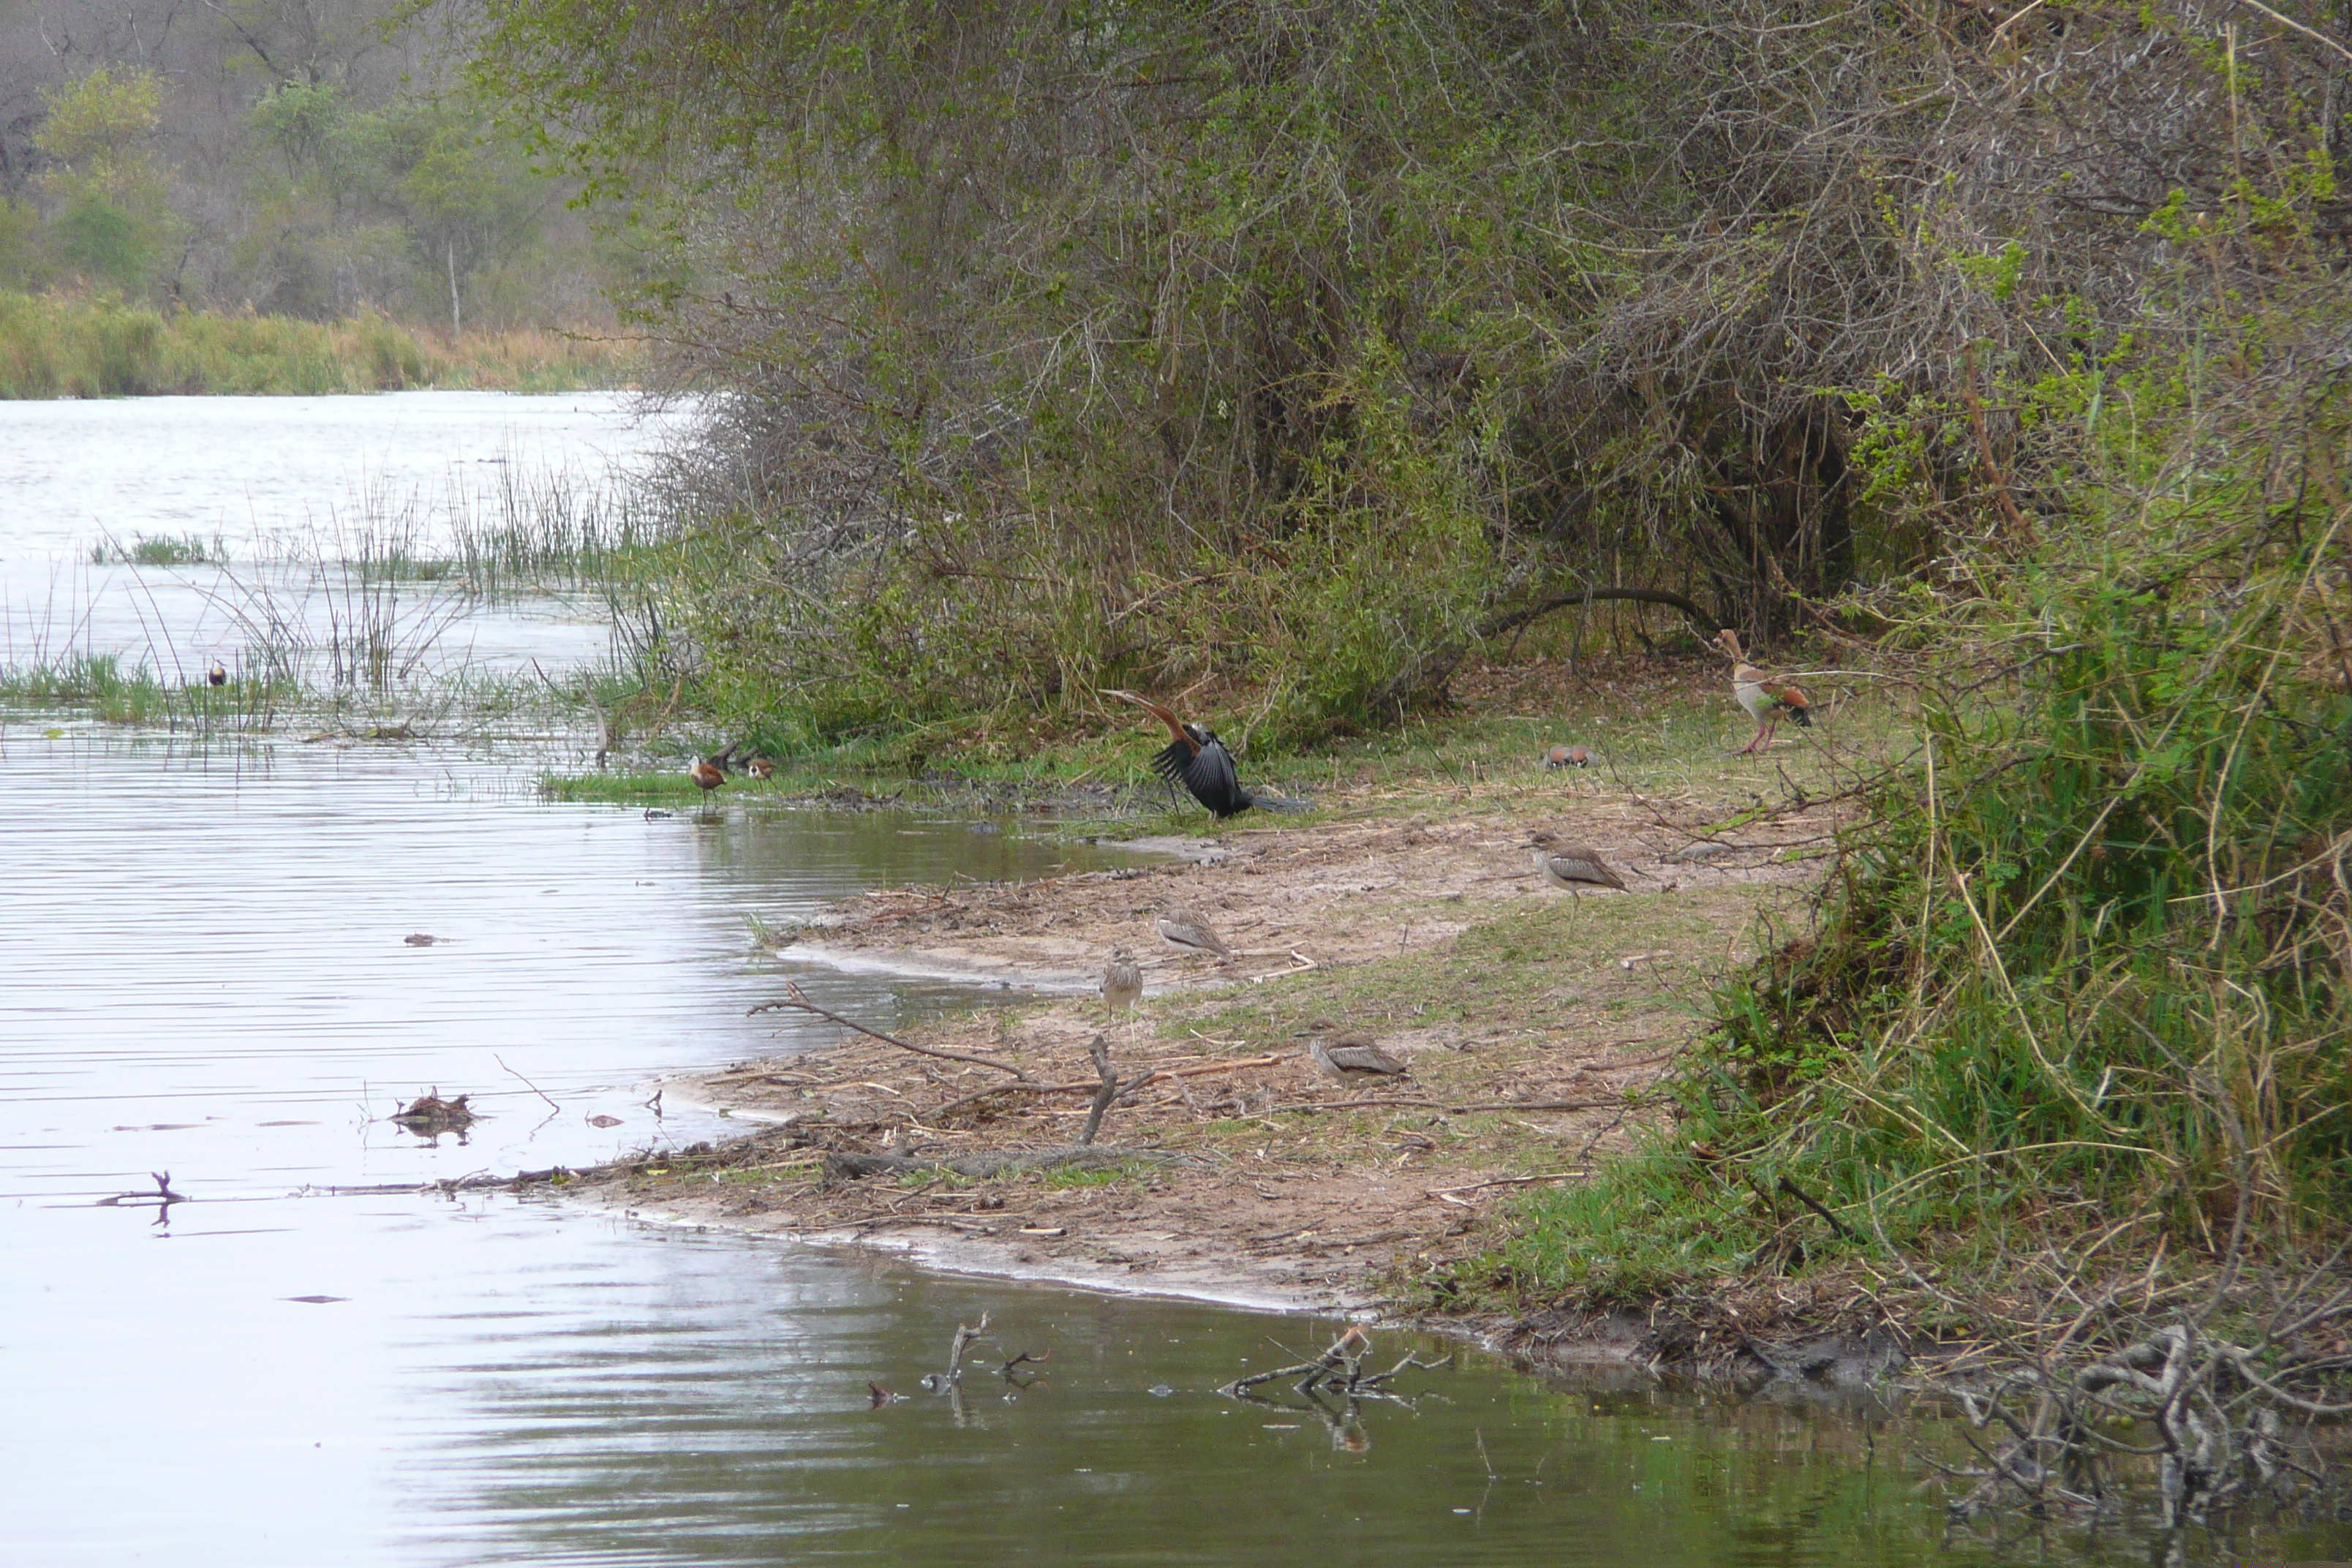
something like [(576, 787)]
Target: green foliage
[(2082, 969)]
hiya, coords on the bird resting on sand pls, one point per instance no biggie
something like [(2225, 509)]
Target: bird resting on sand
[(1571, 866), (1351, 1058), (1199, 761), (1188, 932), (1768, 698)]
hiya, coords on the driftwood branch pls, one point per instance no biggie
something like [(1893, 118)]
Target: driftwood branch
[(796, 999), (1110, 1091), (1340, 1368), (980, 1167), (1194, 1070), (964, 1335)]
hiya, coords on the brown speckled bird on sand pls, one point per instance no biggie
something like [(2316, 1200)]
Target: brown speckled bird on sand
[(1122, 981), (1573, 867), (1188, 932), (1351, 1057)]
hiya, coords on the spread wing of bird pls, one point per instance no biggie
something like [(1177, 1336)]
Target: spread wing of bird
[(1207, 770)]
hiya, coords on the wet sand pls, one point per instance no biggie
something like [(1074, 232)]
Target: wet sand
[(1535, 1026)]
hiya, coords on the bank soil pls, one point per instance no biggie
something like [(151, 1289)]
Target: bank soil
[(1534, 1024)]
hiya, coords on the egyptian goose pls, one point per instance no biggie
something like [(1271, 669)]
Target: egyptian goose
[(1767, 698)]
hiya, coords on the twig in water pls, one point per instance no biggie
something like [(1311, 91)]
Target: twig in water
[(797, 999), (964, 1335), (526, 1082)]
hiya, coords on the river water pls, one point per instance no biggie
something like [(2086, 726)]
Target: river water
[(204, 972)]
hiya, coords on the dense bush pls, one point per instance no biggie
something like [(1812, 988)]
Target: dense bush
[(1290, 345)]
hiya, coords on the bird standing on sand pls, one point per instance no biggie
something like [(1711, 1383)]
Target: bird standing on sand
[(1351, 1058), (1568, 757), (704, 773), (1571, 866), (1199, 761), (217, 675), (1122, 981), (1768, 698), (1188, 932)]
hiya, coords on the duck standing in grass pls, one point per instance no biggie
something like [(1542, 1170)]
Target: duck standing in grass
[(1769, 699)]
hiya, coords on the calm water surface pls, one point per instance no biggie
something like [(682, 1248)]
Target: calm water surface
[(203, 972)]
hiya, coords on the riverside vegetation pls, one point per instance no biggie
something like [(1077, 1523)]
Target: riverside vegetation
[(1305, 359), (1303, 356)]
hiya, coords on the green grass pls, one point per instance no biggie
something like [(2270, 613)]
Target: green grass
[(160, 550), (71, 345), (1681, 743), (97, 684), (2023, 1021)]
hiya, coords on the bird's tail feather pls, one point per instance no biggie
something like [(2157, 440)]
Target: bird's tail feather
[(1802, 719), (1280, 802)]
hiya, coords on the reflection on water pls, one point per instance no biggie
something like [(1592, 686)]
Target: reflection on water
[(204, 972), (256, 471), (219, 982)]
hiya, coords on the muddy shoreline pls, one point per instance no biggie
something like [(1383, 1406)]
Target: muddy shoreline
[(1535, 1026)]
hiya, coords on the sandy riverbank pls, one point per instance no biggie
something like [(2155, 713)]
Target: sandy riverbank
[(1536, 1025)]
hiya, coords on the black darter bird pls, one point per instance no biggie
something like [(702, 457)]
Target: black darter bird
[(1199, 761)]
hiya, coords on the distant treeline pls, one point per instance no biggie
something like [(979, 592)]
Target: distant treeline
[(319, 160), (58, 347)]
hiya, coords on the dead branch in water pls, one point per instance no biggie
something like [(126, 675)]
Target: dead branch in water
[(2227, 1422), (796, 999), (1340, 1368)]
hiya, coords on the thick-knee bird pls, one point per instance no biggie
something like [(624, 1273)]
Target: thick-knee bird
[(1571, 867), (1350, 1057), (1199, 761)]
